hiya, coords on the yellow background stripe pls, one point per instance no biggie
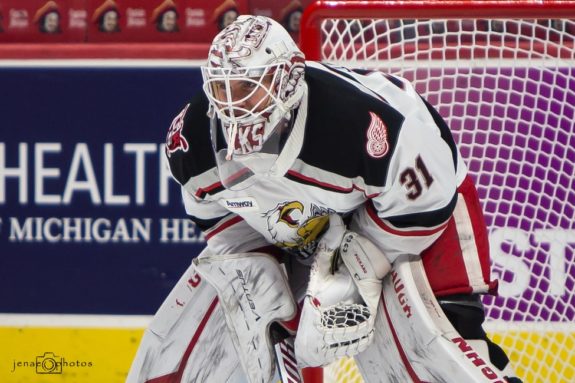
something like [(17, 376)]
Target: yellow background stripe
[(98, 355), (91, 355)]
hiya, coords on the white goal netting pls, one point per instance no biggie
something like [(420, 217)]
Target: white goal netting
[(506, 86)]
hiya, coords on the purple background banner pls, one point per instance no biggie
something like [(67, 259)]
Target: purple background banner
[(515, 128)]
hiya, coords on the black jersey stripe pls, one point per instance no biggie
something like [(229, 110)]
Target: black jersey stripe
[(395, 81), (349, 75), (372, 213), (444, 129), (425, 219)]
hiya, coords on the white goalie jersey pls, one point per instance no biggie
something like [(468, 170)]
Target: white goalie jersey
[(370, 154), (372, 151)]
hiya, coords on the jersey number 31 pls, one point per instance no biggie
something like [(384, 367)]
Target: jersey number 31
[(411, 178)]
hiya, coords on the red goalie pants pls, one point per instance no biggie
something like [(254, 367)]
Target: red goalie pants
[(458, 262)]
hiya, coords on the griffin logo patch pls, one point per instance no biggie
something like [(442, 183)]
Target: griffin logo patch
[(175, 140), (377, 145), (293, 229)]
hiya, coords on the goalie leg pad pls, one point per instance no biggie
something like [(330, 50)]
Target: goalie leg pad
[(414, 340), (253, 293), (185, 341), (466, 314)]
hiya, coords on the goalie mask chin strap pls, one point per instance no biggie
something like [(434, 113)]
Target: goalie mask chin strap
[(232, 133)]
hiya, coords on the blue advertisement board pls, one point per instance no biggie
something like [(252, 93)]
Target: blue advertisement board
[(90, 220)]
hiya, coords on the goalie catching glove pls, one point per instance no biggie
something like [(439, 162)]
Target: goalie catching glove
[(339, 309)]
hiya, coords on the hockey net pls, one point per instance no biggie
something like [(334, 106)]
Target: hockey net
[(502, 73)]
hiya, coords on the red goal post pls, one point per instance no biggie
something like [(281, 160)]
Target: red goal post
[(502, 74)]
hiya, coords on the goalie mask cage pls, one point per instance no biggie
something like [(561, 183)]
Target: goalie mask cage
[(502, 74)]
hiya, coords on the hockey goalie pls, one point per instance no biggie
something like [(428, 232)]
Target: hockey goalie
[(340, 222)]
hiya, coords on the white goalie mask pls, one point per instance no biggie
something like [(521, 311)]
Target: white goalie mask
[(254, 80)]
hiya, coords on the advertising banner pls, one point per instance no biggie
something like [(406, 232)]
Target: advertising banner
[(90, 219)]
